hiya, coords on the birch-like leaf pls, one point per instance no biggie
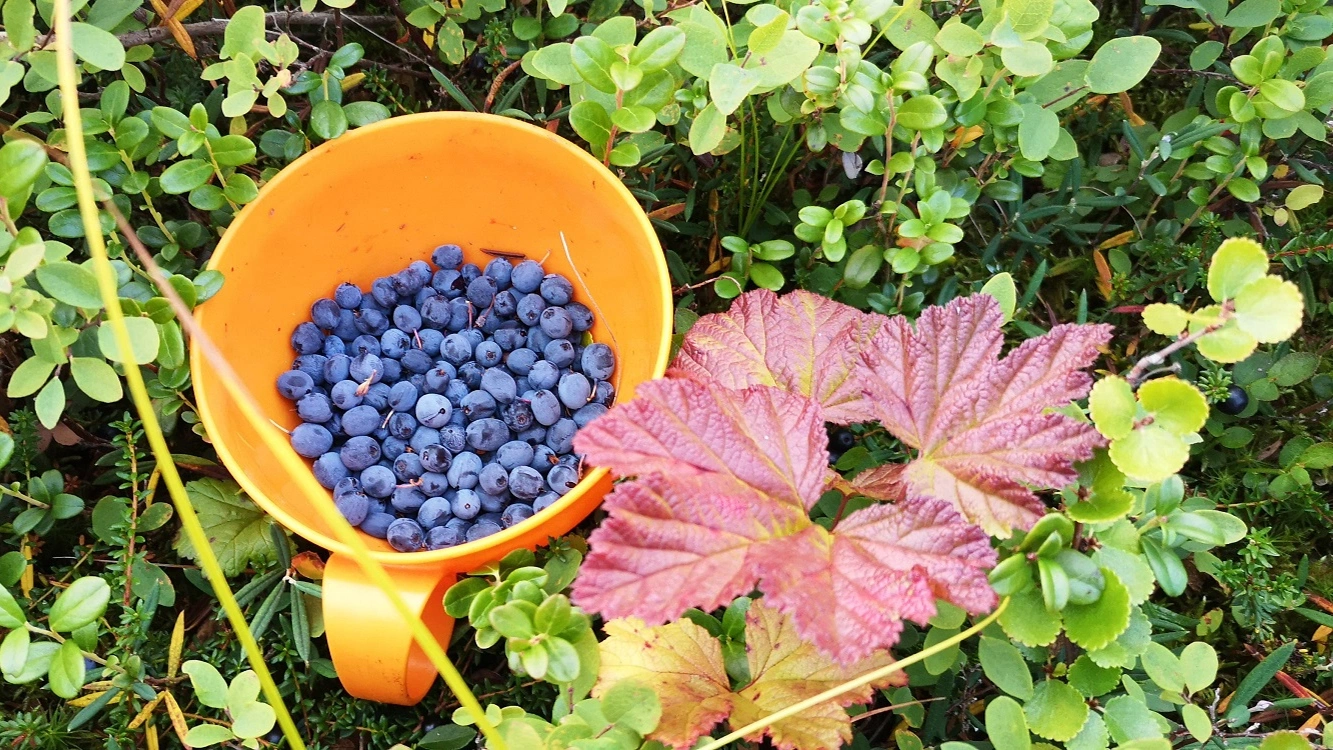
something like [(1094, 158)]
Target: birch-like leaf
[(684, 666), (800, 342), (981, 422)]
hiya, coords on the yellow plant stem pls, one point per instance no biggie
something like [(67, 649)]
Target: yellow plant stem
[(106, 283), (865, 679), (319, 498)]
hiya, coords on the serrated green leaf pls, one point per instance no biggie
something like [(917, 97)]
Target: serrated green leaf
[(1027, 621), (1056, 711), (1113, 407), (1150, 453), (1091, 679), (1165, 319), (1096, 625), (1269, 309), (1175, 405), (236, 528)]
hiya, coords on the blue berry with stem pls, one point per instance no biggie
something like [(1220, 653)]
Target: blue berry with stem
[(433, 410), (311, 440)]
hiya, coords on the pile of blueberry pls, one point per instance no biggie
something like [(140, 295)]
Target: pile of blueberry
[(441, 406)]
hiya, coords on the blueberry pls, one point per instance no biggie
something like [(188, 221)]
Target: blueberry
[(443, 537), (534, 435), (493, 479), (434, 512), (543, 458), (527, 276), (544, 501), (422, 270), (500, 270), (447, 282), (478, 405), (346, 485), (580, 316), (469, 271), (436, 311), (456, 349), (402, 425), (510, 339), (482, 529), (464, 470), (515, 514), (556, 289), (492, 503), (537, 339), (460, 314), (447, 256), (311, 440), (529, 309), (365, 344), (377, 397), (372, 322), (560, 436), (433, 410), (438, 377), (354, 506), (544, 375), (488, 354), (348, 296), (377, 524), (525, 482), (337, 367), (514, 454), (366, 368), (500, 384), (574, 390), (361, 420), (556, 323), (394, 343), (346, 328), (405, 535), (294, 384), (517, 415), (314, 407), (307, 338), (392, 447), (560, 352), (436, 458), (454, 437), (598, 362), (505, 304), (312, 365), (561, 478), (521, 360), (325, 314), (434, 484), (402, 397), (407, 500), (406, 318), (587, 414), (329, 470), (545, 407), (360, 453), (333, 346), (430, 341), (417, 362), (406, 283), (465, 505), (383, 292), (423, 437), (486, 435), (378, 481), (407, 467), (1236, 401)]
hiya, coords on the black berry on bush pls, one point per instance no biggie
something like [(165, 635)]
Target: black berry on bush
[(1235, 402)]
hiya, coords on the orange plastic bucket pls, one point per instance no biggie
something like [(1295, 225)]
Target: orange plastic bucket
[(364, 206)]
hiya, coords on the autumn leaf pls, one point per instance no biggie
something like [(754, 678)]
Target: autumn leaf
[(684, 665), (982, 424), (725, 481), (801, 342)]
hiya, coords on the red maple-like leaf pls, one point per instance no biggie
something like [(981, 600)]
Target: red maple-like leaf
[(725, 481), (800, 342), (981, 423)]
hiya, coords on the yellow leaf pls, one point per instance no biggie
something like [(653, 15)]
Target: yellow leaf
[(787, 670), (146, 712), (85, 699), (177, 717), (177, 643), (1103, 274), (25, 580), (1124, 238), (151, 733), (1321, 634), (350, 82), (177, 30), (1128, 105), (187, 7)]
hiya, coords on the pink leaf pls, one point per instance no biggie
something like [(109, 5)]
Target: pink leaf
[(800, 342), (977, 420), (849, 590)]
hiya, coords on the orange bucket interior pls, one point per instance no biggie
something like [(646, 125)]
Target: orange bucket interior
[(370, 203)]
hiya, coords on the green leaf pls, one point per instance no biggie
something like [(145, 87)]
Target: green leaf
[(209, 686), (658, 48), (245, 32), (1038, 131), (184, 176), (590, 120), (170, 122), (204, 735), (705, 42), (1127, 719), (1269, 309), (782, 64), (1165, 319), (1168, 569), (1284, 741), (29, 377), (360, 114), (634, 118), (97, 46), (1238, 711), (922, 113), (6, 452), (1092, 679), (448, 737), (14, 651), (632, 705), (862, 266), (21, 161), (1163, 668), (70, 283), (1283, 94), (1096, 625), (1176, 406), (1243, 189), (233, 150), (1296, 367), (143, 341), (18, 21), (1029, 18), (83, 602), (1027, 621), (1028, 59), (1001, 287), (96, 378), (1113, 407), (707, 130), (67, 670), (554, 63), (1056, 711), (1199, 665), (1005, 666), (327, 119), (593, 58), (1304, 196), (244, 689), (1206, 54), (253, 720), (1149, 453), (236, 528), (1196, 720), (959, 39), (1006, 727), (11, 614), (1227, 344), (50, 403), (1121, 63), (728, 85), (766, 276), (512, 621), (1253, 13)]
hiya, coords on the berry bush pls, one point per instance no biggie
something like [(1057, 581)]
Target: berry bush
[(998, 413)]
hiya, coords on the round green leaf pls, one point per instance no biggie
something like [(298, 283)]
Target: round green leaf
[(143, 341), (233, 150), (1304, 196), (11, 614), (862, 266), (1149, 453), (184, 176), (1001, 287), (244, 689), (96, 378), (1095, 625), (1227, 344), (766, 276), (252, 720), (67, 670), (1199, 665), (1005, 666), (50, 403), (1163, 668), (97, 46), (922, 113), (959, 39), (1092, 679), (83, 602), (1113, 407), (1284, 741), (1243, 189), (1165, 319), (70, 283), (1027, 621), (21, 160), (1131, 569), (209, 687), (14, 651), (1006, 727), (1269, 309), (364, 113), (1056, 711), (204, 735), (29, 377), (1127, 718), (1028, 59), (1175, 405), (1038, 131), (1197, 722), (327, 119), (511, 621), (1121, 63), (632, 705)]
